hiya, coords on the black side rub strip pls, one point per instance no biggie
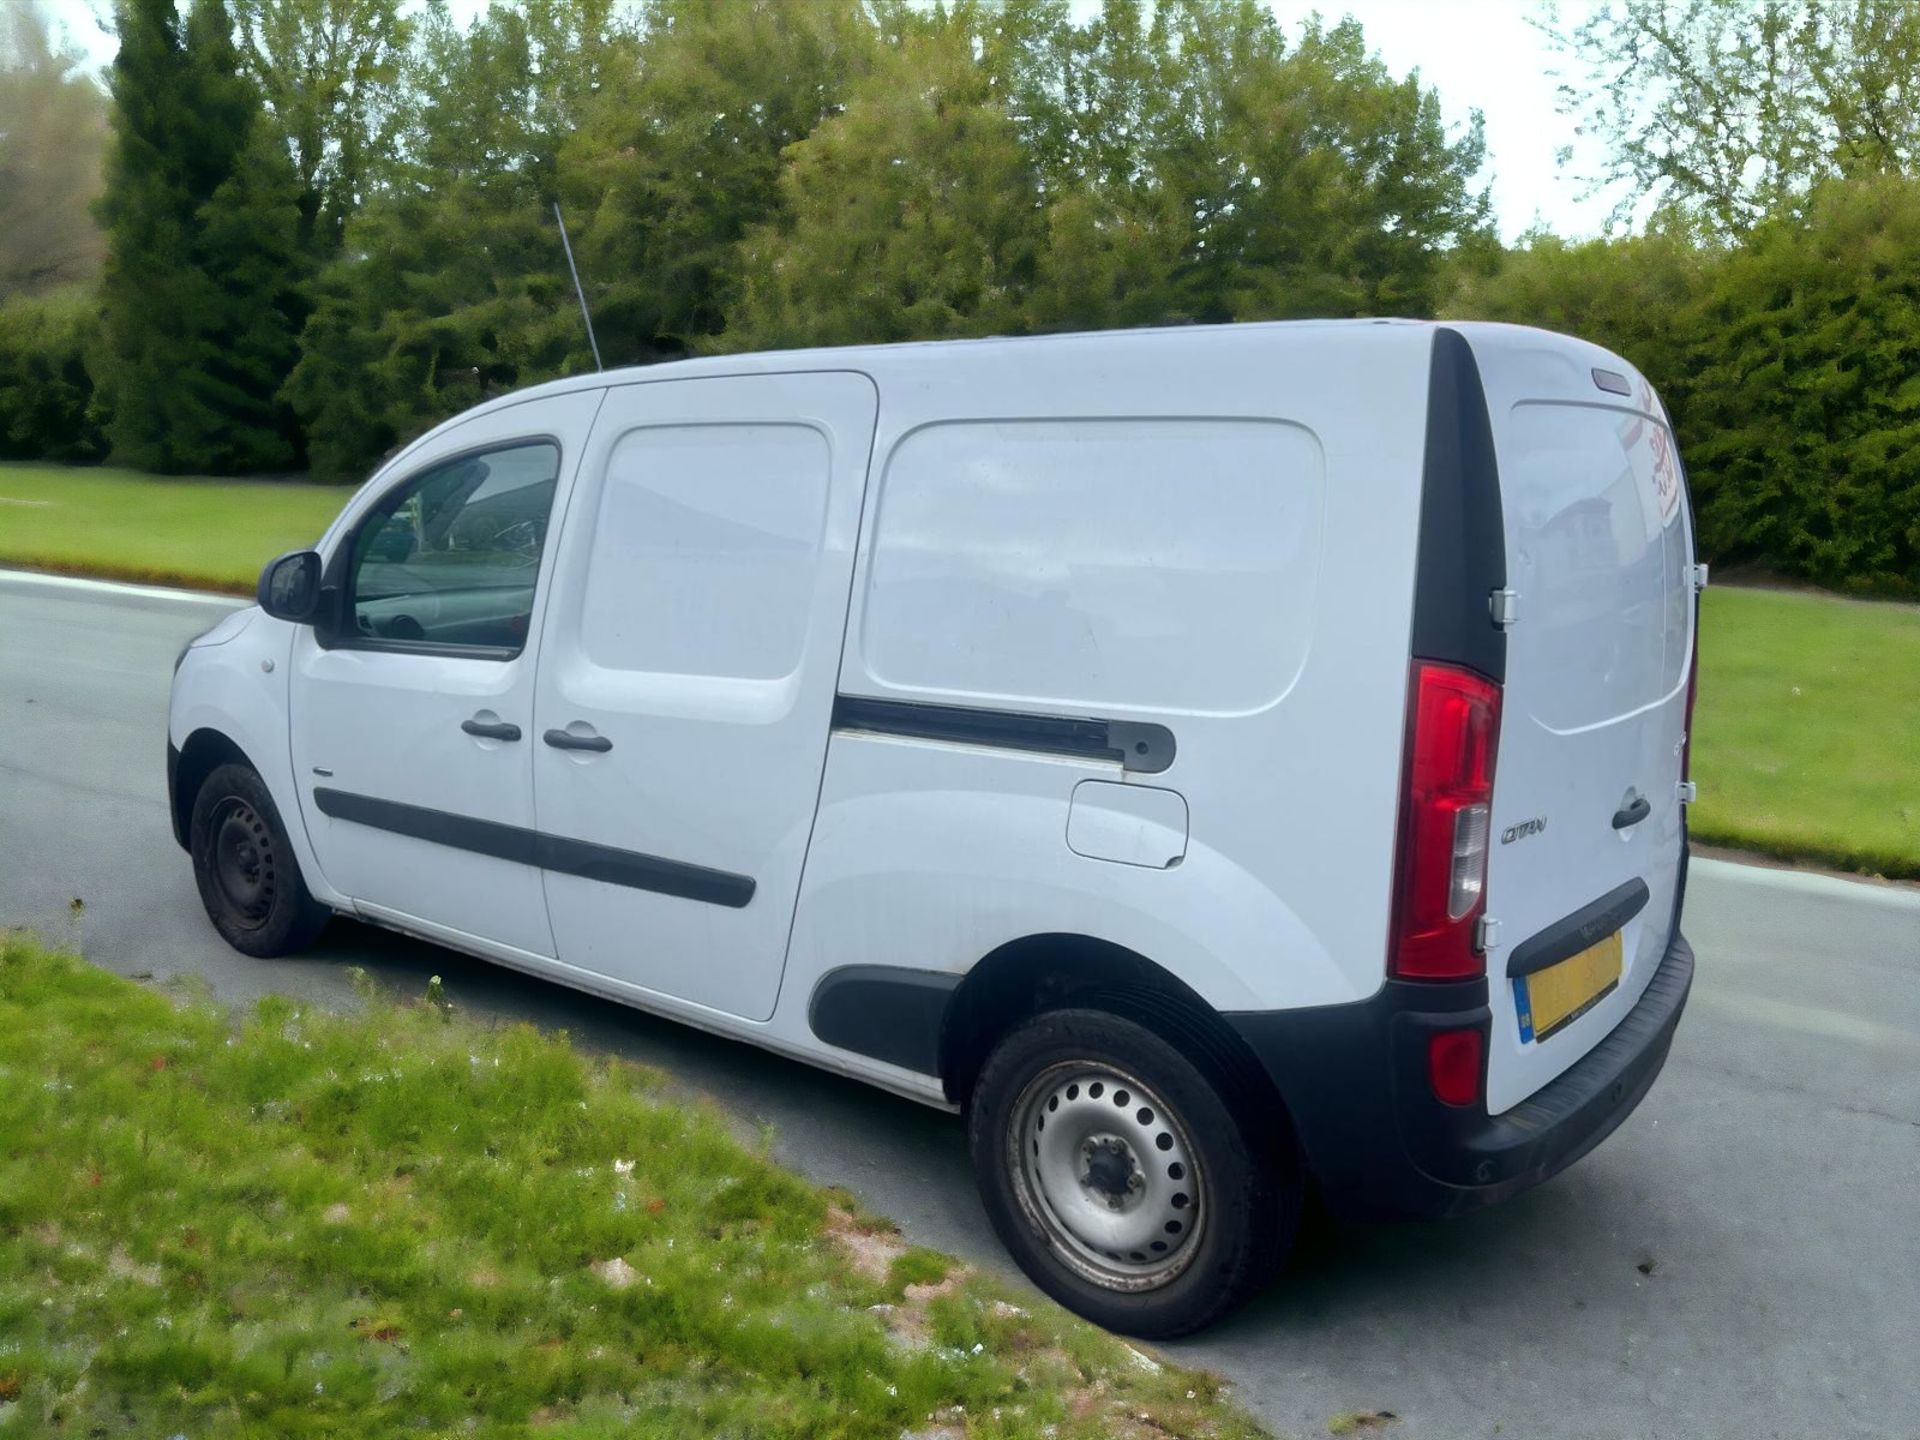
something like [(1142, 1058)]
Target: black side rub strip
[(886, 1012), (550, 852), (1146, 748), (1463, 539), (1588, 925)]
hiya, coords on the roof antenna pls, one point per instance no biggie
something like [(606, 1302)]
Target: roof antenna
[(567, 245)]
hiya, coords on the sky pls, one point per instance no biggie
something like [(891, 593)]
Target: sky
[(1478, 53)]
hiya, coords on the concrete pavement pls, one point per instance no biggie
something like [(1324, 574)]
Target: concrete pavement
[(1741, 1259)]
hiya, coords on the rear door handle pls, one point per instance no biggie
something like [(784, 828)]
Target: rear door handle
[(491, 729), (1632, 814), (561, 740)]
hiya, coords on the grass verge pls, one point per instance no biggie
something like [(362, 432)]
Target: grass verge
[(1808, 729), (294, 1223), (208, 534)]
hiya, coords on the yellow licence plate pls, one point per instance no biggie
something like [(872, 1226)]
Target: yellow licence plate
[(1552, 999)]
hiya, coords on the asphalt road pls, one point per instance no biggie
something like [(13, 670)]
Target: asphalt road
[(1741, 1259)]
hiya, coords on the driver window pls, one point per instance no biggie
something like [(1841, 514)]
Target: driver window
[(451, 557)]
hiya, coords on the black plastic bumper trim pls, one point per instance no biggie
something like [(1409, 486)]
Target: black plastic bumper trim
[(1588, 925), (885, 1012), (1134, 745), (584, 858), (1354, 1081)]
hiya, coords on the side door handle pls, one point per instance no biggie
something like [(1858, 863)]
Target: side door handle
[(561, 740), (491, 729), (1632, 814)]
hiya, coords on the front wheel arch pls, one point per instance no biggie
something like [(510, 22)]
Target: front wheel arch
[(205, 751)]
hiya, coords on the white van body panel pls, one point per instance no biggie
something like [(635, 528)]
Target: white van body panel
[(698, 613), (931, 854), (237, 687), (1599, 552), (388, 725)]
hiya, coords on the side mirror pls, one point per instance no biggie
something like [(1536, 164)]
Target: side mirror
[(290, 587)]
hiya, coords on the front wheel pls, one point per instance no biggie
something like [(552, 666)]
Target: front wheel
[(243, 861), (1121, 1180)]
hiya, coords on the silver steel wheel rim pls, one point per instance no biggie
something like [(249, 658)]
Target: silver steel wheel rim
[(1107, 1171)]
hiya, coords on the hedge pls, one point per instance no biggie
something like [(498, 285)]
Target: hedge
[(1791, 366), (47, 405)]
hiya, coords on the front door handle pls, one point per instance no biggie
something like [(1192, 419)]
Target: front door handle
[(561, 740), (491, 729), (1632, 814)]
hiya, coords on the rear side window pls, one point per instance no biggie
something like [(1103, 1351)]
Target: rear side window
[(705, 549), (1165, 564), (450, 558)]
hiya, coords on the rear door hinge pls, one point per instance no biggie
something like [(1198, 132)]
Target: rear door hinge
[(1486, 934), (1505, 605), (1687, 791), (1697, 576)]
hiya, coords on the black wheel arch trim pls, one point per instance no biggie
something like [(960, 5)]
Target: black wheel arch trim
[(188, 766), (585, 858)]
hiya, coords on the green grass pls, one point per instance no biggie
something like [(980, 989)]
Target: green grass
[(213, 534), (293, 1223), (1807, 729)]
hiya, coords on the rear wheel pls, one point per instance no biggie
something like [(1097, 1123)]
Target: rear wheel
[(243, 861), (1121, 1179)]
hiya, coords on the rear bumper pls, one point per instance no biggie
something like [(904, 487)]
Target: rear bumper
[(1354, 1078)]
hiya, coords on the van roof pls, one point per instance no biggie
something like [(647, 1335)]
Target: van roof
[(992, 350)]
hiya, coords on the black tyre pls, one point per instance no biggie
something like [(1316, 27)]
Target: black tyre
[(1124, 1183), (249, 880)]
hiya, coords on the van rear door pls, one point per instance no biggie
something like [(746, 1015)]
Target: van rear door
[(1588, 829)]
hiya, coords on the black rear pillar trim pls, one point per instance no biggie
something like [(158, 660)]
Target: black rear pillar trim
[(1462, 554)]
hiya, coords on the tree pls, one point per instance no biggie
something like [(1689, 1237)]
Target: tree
[(1728, 111), (913, 215), (1637, 295), (329, 74), (679, 156), (1319, 184), (197, 298), (450, 285), (53, 129)]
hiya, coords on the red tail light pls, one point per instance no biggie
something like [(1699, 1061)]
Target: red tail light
[(1445, 820), (1453, 1065)]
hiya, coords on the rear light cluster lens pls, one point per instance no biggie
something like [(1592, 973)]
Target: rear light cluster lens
[(1445, 823), (1453, 1065)]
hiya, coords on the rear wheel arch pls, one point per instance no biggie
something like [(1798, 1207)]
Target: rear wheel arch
[(1025, 977), (205, 751)]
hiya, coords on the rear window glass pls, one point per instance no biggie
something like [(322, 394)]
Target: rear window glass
[(1594, 500), (704, 550), (1156, 563)]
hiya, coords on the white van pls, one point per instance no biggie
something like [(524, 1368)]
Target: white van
[(1219, 761)]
